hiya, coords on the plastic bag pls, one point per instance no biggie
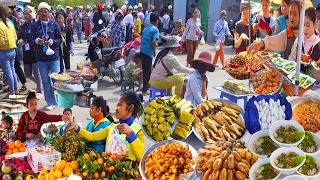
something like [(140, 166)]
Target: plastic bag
[(116, 146), (202, 42), (217, 45), (31, 143), (49, 51)]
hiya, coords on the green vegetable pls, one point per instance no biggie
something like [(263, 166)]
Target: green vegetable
[(290, 68), (308, 82), (302, 80)]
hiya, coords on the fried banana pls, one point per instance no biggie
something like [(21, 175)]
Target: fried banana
[(240, 122), (199, 130), (212, 134), (226, 117), (210, 124), (205, 132), (221, 119), (235, 130), (204, 107), (229, 105), (226, 134), (215, 103), (197, 120), (232, 134), (199, 112), (211, 106), (238, 126), (230, 112), (221, 135)]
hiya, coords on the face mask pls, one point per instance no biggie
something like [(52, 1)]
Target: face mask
[(202, 68)]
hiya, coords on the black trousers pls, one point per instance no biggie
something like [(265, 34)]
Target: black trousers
[(19, 71), (65, 59), (146, 70), (128, 33)]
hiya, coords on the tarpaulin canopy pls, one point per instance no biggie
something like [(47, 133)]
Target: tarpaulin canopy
[(9, 2)]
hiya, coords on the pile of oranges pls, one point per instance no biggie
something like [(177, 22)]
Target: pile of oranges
[(60, 170), (15, 147)]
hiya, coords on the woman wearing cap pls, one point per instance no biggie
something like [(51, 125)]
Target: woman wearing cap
[(8, 39), (29, 55), (46, 33), (196, 90), (118, 30), (191, 34), (162, 76), (241, 35), (98, 19), (282, 42)]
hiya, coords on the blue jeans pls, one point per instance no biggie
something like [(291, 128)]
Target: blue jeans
[(7, 63), (79, 32), (45, 69)]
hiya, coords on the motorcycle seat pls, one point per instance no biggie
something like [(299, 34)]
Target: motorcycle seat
[(109, 51)]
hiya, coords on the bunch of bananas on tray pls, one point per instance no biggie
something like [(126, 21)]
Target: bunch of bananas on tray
[(215, 121), (160, 115)]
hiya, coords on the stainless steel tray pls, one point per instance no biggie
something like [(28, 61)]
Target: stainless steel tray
[(273, 93), (190, 176), (222, 89), (195, 132)]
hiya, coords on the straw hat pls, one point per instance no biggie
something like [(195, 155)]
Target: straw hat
[(204, 57), (44, 5), (139, 5), (130, 7), (136, 43), (135, 7), (171, 42), (179, 21), (124, 7), (170, 7)]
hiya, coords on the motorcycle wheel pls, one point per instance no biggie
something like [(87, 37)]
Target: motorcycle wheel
[(120, 74)]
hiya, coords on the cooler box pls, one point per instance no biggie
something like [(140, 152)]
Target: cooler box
[(41, 160)]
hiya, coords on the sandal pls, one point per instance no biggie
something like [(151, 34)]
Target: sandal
[(23, 89)]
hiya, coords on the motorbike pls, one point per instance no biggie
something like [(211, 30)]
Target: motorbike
[(110, 59), (229, 41)]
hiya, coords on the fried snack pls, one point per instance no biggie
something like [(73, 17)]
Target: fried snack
[(229, 105), (168, 162)]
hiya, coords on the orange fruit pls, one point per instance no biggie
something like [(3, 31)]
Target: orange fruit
[(85, 156), (50, 177), (57, 173), (23, 145), (67, 171), (68, 164), (103, 173), (22, 149), (85, 174), (96, 175), (61, 164), (17, 143), (11, 146), (8, 152), (53, 168), (15, 150), (74, 165), (100, 161), (92, 153), (42, 176)]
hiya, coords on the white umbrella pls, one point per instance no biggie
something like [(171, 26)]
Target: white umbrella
[(9, 2)]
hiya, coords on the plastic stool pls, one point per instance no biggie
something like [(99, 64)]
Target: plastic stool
[(233, 98), (124, 86), (154, 91)]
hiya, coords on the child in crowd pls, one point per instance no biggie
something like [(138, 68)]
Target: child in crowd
[(109, 116), (127, 108), (133, 71), (3, 114), (179, 29), (98, 113), (67, 112), (8, 133), (31, 121)]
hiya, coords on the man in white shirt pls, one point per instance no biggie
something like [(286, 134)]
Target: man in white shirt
[(165, 20), (107, 14), (128, 21)]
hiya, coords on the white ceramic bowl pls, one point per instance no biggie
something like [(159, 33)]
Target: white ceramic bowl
[(317, 140), (317, 176), (295, 177), (256, 165), (253, 139), (278, 152), (276, 125)]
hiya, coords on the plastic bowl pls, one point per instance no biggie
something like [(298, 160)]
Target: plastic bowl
[(253, 139), (256, 165), (317, 176), (317, 140), (278, 152), (276, 125), (295, 177)]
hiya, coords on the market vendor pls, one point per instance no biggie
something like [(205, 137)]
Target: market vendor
[(196, 90), (98, 113), (282, 42), (126, 111), (310, 45), (31, 121), (241, 35), (162, 76)]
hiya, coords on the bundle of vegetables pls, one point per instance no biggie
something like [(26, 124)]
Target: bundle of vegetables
[(70, 145), (218, 163), (241, 66), (97, 165), (216, 121)]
